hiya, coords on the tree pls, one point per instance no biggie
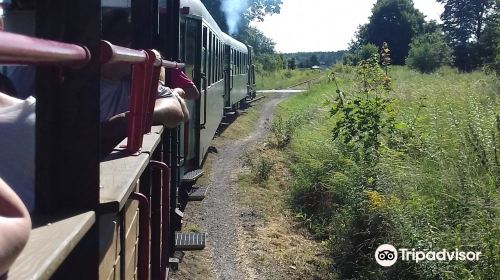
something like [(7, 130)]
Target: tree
[(428, 52), (255, 38), (270, 62), (463, 23), (361, 53), (394, 22), (254, 10), (313, 60), (490, 43), (292, 64)]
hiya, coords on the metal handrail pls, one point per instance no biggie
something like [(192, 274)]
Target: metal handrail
[(16, 49), (116, 54), (172, 64)]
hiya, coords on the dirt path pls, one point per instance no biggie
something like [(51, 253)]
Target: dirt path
[(223, 221), (220, 215)]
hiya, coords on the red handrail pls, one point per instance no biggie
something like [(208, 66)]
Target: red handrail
[(18, 49), (112, 54), (143, 88), (172, 64)]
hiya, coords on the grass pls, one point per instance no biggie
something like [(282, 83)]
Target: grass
[(437, 184), (285, 78), (244, 124), (278, 244)]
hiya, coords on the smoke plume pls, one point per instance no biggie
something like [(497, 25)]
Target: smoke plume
[(234, 9)]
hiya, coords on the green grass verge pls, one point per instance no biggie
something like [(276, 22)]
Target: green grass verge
[(438, 188)]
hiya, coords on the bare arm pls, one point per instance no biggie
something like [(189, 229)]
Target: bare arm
[(189, 93), (168, 112), (15, 226)]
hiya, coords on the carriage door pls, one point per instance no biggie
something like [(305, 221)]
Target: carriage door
[(190, 53)]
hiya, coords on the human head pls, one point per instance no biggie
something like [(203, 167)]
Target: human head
[(116, 28)]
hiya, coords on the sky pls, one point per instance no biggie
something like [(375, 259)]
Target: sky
[(325, 25)]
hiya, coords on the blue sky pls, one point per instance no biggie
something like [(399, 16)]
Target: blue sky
[(325, 25)]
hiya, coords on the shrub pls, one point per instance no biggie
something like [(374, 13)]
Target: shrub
[(365, 52), (428, 52)]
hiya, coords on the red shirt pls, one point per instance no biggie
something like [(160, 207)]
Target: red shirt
[(178, 79)]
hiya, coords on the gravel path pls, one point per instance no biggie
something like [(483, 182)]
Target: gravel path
[(220, 210)]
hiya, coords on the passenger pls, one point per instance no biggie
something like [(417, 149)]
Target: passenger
[(170, 108), (17, 146), (15, 227)]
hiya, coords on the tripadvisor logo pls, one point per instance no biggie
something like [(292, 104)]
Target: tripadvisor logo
[(387, 255)]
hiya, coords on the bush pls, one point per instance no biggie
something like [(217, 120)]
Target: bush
[(428, 52), (365, 52)]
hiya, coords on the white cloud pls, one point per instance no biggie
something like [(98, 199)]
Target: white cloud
[(324, 25)]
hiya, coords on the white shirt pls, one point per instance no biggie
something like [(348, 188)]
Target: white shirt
[(17, 149)]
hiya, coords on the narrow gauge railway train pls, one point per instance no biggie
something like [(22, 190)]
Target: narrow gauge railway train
[(117, 217)]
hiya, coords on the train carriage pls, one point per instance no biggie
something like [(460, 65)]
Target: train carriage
[(118, 217), (236, 72)]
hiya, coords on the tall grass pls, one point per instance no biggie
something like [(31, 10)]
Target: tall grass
[(437, 180)]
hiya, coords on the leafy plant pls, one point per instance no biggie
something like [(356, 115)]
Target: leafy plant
[(365, 115)]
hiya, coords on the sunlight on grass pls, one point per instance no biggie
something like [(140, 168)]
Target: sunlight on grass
[(437, 185)]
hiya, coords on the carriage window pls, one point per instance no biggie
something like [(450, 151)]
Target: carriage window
[(246, 63), (189, 34), (216, 68), (234, 62), (209, 59), (204, 51), (221, 60), (213, 58), (239, 63)]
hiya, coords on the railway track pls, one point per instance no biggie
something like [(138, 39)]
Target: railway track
[(308, 82)]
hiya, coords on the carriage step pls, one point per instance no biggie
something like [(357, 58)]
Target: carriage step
[(189, 241), (231, 113), (191, 176), (197, 193), (228, 108), (224, 124), (178, 256)]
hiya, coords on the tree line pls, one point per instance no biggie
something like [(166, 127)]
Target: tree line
[(468, 38), (309, 59)]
